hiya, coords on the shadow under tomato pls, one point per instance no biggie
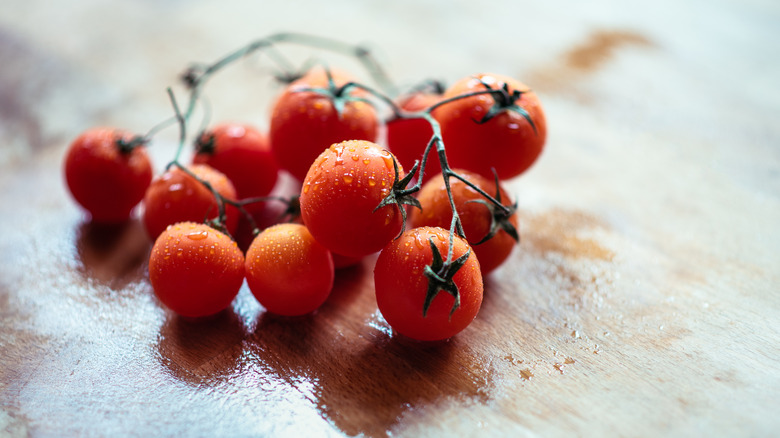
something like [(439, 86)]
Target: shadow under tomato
[(113, 254), (362, 379), (201, 351)]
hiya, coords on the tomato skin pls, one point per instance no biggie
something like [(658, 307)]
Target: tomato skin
[(288, 271), (243, 154), (401, 286), (340, 192), (103, 180), (407, 138), (507, 141), (475, 217), (304, 123), (195, 270), (177, 197)]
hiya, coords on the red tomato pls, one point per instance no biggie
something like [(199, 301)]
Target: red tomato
[(195, 270), (105, 180), (475, 217), (343, 187), (401, 286), (507, 141), (304, 123), (177, 197), (243, 154), (288, 271), (407, 138)]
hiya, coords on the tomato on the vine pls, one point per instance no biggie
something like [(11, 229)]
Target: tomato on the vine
[(341, 192), (288, 271), (505, 131), (195, 270), (477, 215), (402, 286), (106, 174), (176, 196), (305, 122), (408, 138), (243, 154)]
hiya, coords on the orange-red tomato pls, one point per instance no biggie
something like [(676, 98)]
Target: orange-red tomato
[(506, 142), (408, 138), (341, 190), (475, 217), (288, 271), (195, 270), (105, 180), (243, 154), (401, 286), (177, 197), (304, 123)]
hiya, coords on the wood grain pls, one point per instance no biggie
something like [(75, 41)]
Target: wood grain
[(642, 300)]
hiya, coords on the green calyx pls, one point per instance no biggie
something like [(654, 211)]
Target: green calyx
[(441, 275), (399, 196), (504, 100), (127, 146), (499, 216), (205, 144)]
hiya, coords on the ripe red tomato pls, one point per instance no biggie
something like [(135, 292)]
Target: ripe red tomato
[(401, 286), (195, 270), (105, 180), (288, 271), (304, 123), (507, 141), (243, 154), (341, 190), (475, 217), (177, 197), (407, 138)]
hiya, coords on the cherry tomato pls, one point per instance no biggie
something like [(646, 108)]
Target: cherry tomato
[(475, 217), (341, 190), (288, 271), (407, 138), (401, 286), (195, 270), (243, 154), (304, 123), (177, 197), (507, 141), (104, 179)]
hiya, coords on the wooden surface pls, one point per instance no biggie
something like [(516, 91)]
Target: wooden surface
[(642, 301)]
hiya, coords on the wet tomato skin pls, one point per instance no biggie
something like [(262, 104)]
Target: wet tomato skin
[(340, 192), (401, 286), (288, 271), (475, 217), (176, 196), (506, 142), (105, 181), (195, 270), (304, 123), (243, 154)]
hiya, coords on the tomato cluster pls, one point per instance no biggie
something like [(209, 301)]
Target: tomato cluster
[(354, 198)]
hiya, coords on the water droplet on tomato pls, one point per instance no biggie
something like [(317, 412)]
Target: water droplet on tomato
[(198, 235), (355, 158), (371, 182), (348, 178), (306, 188)]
